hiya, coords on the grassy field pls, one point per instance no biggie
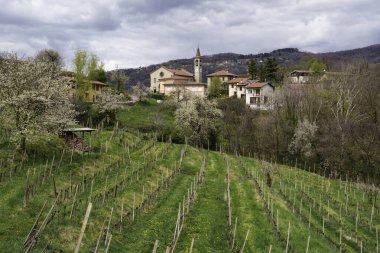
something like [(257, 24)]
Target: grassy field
[(136, 182)]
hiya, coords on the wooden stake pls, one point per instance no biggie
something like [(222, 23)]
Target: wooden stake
[(100, 236), (245, 240), (155, 247), (287, 239), (108, 227), (108, 245), (307, 246), (75, 196), (83, 227), (234, 234)]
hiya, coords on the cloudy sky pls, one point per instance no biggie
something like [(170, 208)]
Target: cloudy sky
[(133, 33)]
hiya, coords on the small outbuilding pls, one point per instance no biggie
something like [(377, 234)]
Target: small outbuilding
[(74, 137)]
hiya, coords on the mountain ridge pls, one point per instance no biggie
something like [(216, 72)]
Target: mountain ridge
[(236, 63)]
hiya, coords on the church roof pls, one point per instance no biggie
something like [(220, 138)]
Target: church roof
[(180, 72), (221, 73)]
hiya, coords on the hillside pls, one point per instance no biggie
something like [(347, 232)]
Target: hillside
[(236, 63), (146, 190)]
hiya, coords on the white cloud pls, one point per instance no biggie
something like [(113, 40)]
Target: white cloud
[(141, 32)]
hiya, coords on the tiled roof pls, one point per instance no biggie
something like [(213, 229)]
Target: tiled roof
[(221, 73), (180, 72), (237, 80), (256, 85)]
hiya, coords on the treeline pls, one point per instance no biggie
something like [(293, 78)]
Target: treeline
[(333, 124)]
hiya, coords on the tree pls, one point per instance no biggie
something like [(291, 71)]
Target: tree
[(51, 57), (314, 64), (87, 69), (215, 87), (80, 71), (252, 69), (196, 120), (271, 70), (119, 77), (140, 91), (34, 96), (261, 72), (109, 102), (304, 139), (95, 69)]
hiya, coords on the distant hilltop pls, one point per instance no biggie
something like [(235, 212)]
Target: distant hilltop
[(237, 63)]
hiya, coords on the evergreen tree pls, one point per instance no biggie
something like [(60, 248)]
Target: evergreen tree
[(271, 69), (252, 69)]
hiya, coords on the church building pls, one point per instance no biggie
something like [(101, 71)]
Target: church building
[(167, 81)]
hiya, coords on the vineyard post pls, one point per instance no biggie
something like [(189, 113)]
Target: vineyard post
[(108, 245), (234, 234), (191, 246), (155, 247), (87, 215), (245, 240), (309, 216), (121, 214), (323, 224), (108, 227), (92, 186), (75, 195), (287, 239), (307, 246), (278, 225), (100, 236)]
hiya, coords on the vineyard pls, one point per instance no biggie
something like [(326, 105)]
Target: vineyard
[(142, 193)]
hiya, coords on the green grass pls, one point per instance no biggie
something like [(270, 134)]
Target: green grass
[(207, 222), (207, 219), (147, 116)]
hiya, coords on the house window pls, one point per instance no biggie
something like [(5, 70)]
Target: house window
[(257, 92), (154, 80), (250, 91), (154, 90), (252, 100), (241, 88)]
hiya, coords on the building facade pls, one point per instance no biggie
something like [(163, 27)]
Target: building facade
[(223, 75), (256, 94), (168, 81)]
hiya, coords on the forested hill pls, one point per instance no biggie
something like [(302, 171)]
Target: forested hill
[(236, 63)]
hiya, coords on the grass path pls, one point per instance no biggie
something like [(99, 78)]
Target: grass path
[(207, 222), (248, 208)]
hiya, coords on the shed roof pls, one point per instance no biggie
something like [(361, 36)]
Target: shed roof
[(79, 129)]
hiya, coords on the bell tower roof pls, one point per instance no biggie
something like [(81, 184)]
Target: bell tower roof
[(198, 54)]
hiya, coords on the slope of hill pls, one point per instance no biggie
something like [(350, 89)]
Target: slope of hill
[(236, 63), (142, 190)]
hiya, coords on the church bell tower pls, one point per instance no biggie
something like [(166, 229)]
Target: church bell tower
[(198, 67)]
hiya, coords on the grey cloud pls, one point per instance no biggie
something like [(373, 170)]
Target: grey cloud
[(141, 32)]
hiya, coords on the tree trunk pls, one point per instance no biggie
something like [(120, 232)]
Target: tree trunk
[(22, 143)]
